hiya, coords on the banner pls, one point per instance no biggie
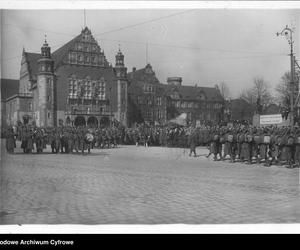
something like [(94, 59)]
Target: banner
[(270, 119)]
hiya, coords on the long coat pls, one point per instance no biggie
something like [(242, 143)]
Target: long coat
[(10, 141)]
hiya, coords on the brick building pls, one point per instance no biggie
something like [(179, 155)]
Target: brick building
[(74, 85), (147, 101), (158, 102)]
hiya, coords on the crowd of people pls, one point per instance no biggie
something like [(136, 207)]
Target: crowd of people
[(239, 142)]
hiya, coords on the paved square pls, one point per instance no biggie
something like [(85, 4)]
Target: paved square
[(143, 185)]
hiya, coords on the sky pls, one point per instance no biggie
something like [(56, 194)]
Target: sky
[(203, 46)]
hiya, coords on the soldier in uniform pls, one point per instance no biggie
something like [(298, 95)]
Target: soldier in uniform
[(70, 140), (256, 144), (247, 146), (192, 142), (29, 139), (232, 139), (39, 140), (290, 149), (297, 148), (227, 143), (273, 147), (76, 140), (81, 135), (216, 145), (264, 147), (23, 134), (10, 140)]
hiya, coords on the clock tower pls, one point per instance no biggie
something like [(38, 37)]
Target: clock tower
[(45, 115), (122, 88)]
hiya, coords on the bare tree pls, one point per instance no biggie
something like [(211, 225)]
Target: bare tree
[(283, 90), (224, 90), (259, 94), (247, 95)]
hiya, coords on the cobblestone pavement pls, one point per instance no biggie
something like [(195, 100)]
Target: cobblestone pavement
[(143, 185)]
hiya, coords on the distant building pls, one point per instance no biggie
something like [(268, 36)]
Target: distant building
[(240, 110), (9, 102), (147, 100), (158, 102), (74, 85)]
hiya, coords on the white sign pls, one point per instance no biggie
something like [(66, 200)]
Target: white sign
[(270, 119)]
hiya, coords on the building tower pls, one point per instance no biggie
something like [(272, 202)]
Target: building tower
[(122, 88), (45, 88)]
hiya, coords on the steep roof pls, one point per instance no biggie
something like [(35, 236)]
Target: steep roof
[(143, 75), (61, 52), (186, 92), (192, 92), (57, 56), (9, 87), (32, 59)]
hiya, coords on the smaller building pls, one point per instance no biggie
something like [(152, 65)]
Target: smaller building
[(10, 99), (154, 102), (147, 100)]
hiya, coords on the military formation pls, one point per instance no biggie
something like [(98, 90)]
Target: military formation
[(269, 145), (240, 143)]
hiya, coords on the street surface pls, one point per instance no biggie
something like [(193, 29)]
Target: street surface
[(143, 185)]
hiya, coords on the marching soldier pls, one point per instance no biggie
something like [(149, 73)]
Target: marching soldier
[(297, 148), (192, 143), (39, 140)]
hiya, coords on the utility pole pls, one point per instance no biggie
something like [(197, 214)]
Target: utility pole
[(288, 33)]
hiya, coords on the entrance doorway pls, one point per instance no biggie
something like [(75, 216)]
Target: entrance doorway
[(79, 121), (92, 121)]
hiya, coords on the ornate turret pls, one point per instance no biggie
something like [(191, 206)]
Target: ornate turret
[(120, 68), (45, 88), (45, 62), (46, 50), (120, 59), (121, 74)]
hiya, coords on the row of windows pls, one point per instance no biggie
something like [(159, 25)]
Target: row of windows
[(175, 95), (86, 59), (86, 47), (179, 104), (150, 100), (151, 113), (148, 88), (87, 89)]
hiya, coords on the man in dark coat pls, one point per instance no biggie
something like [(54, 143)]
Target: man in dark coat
[(10, 140), (192, 142)]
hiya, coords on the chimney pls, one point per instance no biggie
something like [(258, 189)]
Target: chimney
[(133, 69)]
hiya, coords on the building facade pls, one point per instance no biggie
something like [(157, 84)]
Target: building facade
[(155, 102), (75, 84), (148, 102)]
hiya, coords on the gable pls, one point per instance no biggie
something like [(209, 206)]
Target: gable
[(82, 50)]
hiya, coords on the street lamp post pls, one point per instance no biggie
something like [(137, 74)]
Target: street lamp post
[(288, 33)]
